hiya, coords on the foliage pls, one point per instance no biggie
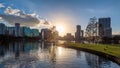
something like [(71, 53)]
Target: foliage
[(105, 48)]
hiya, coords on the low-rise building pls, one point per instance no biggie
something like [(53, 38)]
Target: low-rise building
[(35, 32), (69, 37), (27, 32)]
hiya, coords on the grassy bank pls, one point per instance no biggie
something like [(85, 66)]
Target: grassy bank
[(113, 50)]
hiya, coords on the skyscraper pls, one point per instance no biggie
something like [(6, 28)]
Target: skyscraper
[(78, 33), (104, 28), (17, 29)]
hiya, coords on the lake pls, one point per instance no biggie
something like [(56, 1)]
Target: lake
[(48, 55)]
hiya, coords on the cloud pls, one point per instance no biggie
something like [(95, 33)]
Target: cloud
[(1, 5), (46, 23), (116, 33), (17, 12), (17, 16), (11, 11), (43, 24), (0, 18), (98, 10)]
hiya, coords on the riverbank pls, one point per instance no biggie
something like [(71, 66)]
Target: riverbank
[(111, 52)]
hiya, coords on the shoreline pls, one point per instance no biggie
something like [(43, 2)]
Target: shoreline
[(99, 53)]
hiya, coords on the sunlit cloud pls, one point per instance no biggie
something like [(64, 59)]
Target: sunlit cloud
[(0, 18), (11, 11)]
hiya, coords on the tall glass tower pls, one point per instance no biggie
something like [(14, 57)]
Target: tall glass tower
[(104, 29)]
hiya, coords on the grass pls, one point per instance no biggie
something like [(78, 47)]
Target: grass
[(113, 50)]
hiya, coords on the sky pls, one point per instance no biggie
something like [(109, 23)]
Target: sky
[(66, 13)]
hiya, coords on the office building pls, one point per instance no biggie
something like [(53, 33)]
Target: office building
[(104, 27), (2, 29), (46, 34), (21, 32), (82, 34), (78, 33), (27, 32), (35, 32), (11, 31), (69, 37), (17, 29)]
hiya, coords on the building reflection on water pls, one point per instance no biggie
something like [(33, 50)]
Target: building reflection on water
[(94, 61), (44, 55)]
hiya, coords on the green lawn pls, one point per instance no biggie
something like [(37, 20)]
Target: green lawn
[(105, 48)]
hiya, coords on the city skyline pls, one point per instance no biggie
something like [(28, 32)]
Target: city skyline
[(18, 31), (68, 14)]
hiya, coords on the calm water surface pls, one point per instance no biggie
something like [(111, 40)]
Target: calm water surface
[(46, 55)]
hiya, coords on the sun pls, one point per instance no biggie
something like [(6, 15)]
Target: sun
[(60, 29)]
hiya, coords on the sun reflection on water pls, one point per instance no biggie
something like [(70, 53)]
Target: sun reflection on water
[(60, 51)]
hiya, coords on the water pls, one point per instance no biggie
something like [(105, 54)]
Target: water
[(46, 55)]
